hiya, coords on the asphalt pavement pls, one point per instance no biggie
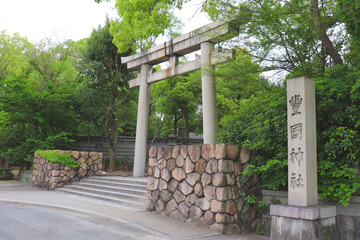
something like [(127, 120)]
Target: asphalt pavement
[(19, 221), (28, 213)]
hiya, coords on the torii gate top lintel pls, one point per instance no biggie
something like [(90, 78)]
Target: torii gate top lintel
[(214, 32)]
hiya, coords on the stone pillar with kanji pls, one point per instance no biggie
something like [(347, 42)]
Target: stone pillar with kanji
[(302, 162)]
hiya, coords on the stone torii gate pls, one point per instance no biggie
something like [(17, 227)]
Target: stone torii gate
[(202, 38)]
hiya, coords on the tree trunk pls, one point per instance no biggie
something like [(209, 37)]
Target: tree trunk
[(6, 163), (111, 130), (88, 145), (321, 31), (112, 146), (176, 119), (185, 112), (112, 166)]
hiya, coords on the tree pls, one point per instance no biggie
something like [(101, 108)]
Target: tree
[(237, 79), (288, 34), (177, 101), (350, 13), (107, 88), (11, 54), (36, 100), (11, 61), (142, 21)]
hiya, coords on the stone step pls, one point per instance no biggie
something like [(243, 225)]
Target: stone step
[(117, 200), (126, 189), (130, 180), (107, 192), (123, 190), (124, 184)]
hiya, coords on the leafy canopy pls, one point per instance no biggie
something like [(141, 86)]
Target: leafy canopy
[(36, 97), (141, 22)]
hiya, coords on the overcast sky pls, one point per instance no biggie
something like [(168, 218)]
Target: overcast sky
[(68, 19)]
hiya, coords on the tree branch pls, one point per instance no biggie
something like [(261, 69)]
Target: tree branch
[(321, 31)]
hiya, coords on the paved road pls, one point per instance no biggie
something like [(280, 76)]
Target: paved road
[(28, 213), (24, 222)]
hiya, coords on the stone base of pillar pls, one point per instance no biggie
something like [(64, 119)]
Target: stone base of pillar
[(300, 223)]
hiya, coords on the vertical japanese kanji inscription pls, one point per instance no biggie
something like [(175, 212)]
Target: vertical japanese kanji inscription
[(302, 163)]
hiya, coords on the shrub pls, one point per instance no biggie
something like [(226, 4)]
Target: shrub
[(6, 174), (63, 159)]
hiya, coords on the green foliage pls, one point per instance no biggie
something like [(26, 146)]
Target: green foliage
[(349, 11), (104, 100), (338, 182), (12, 59), (261, 230), (253, 115), (261, 206), (338, 125), (61, 158), (237, 79), (273, 172), (6, 174), (176, 100), (286, 35), (259, 122), (250, 199), (105, 86), (141, 22), (36, 98)]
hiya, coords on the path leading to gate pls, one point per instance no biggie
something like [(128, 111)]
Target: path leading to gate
[(85, 212)]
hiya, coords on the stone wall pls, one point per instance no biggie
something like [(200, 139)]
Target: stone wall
[(348, 220), (51, 175), (203, 185), (26, 176)]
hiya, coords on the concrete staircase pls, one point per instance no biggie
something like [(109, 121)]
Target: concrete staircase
[(127, 191)]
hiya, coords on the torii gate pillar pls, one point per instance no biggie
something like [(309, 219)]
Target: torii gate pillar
[(142, 123), (208, 95)]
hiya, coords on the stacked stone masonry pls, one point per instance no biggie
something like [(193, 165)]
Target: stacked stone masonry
[(51, 175), (204, 185)]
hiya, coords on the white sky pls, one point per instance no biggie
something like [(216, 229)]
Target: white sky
[(69, 19)]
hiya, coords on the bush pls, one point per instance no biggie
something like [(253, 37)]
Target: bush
[(63, 159), (6, 174)]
